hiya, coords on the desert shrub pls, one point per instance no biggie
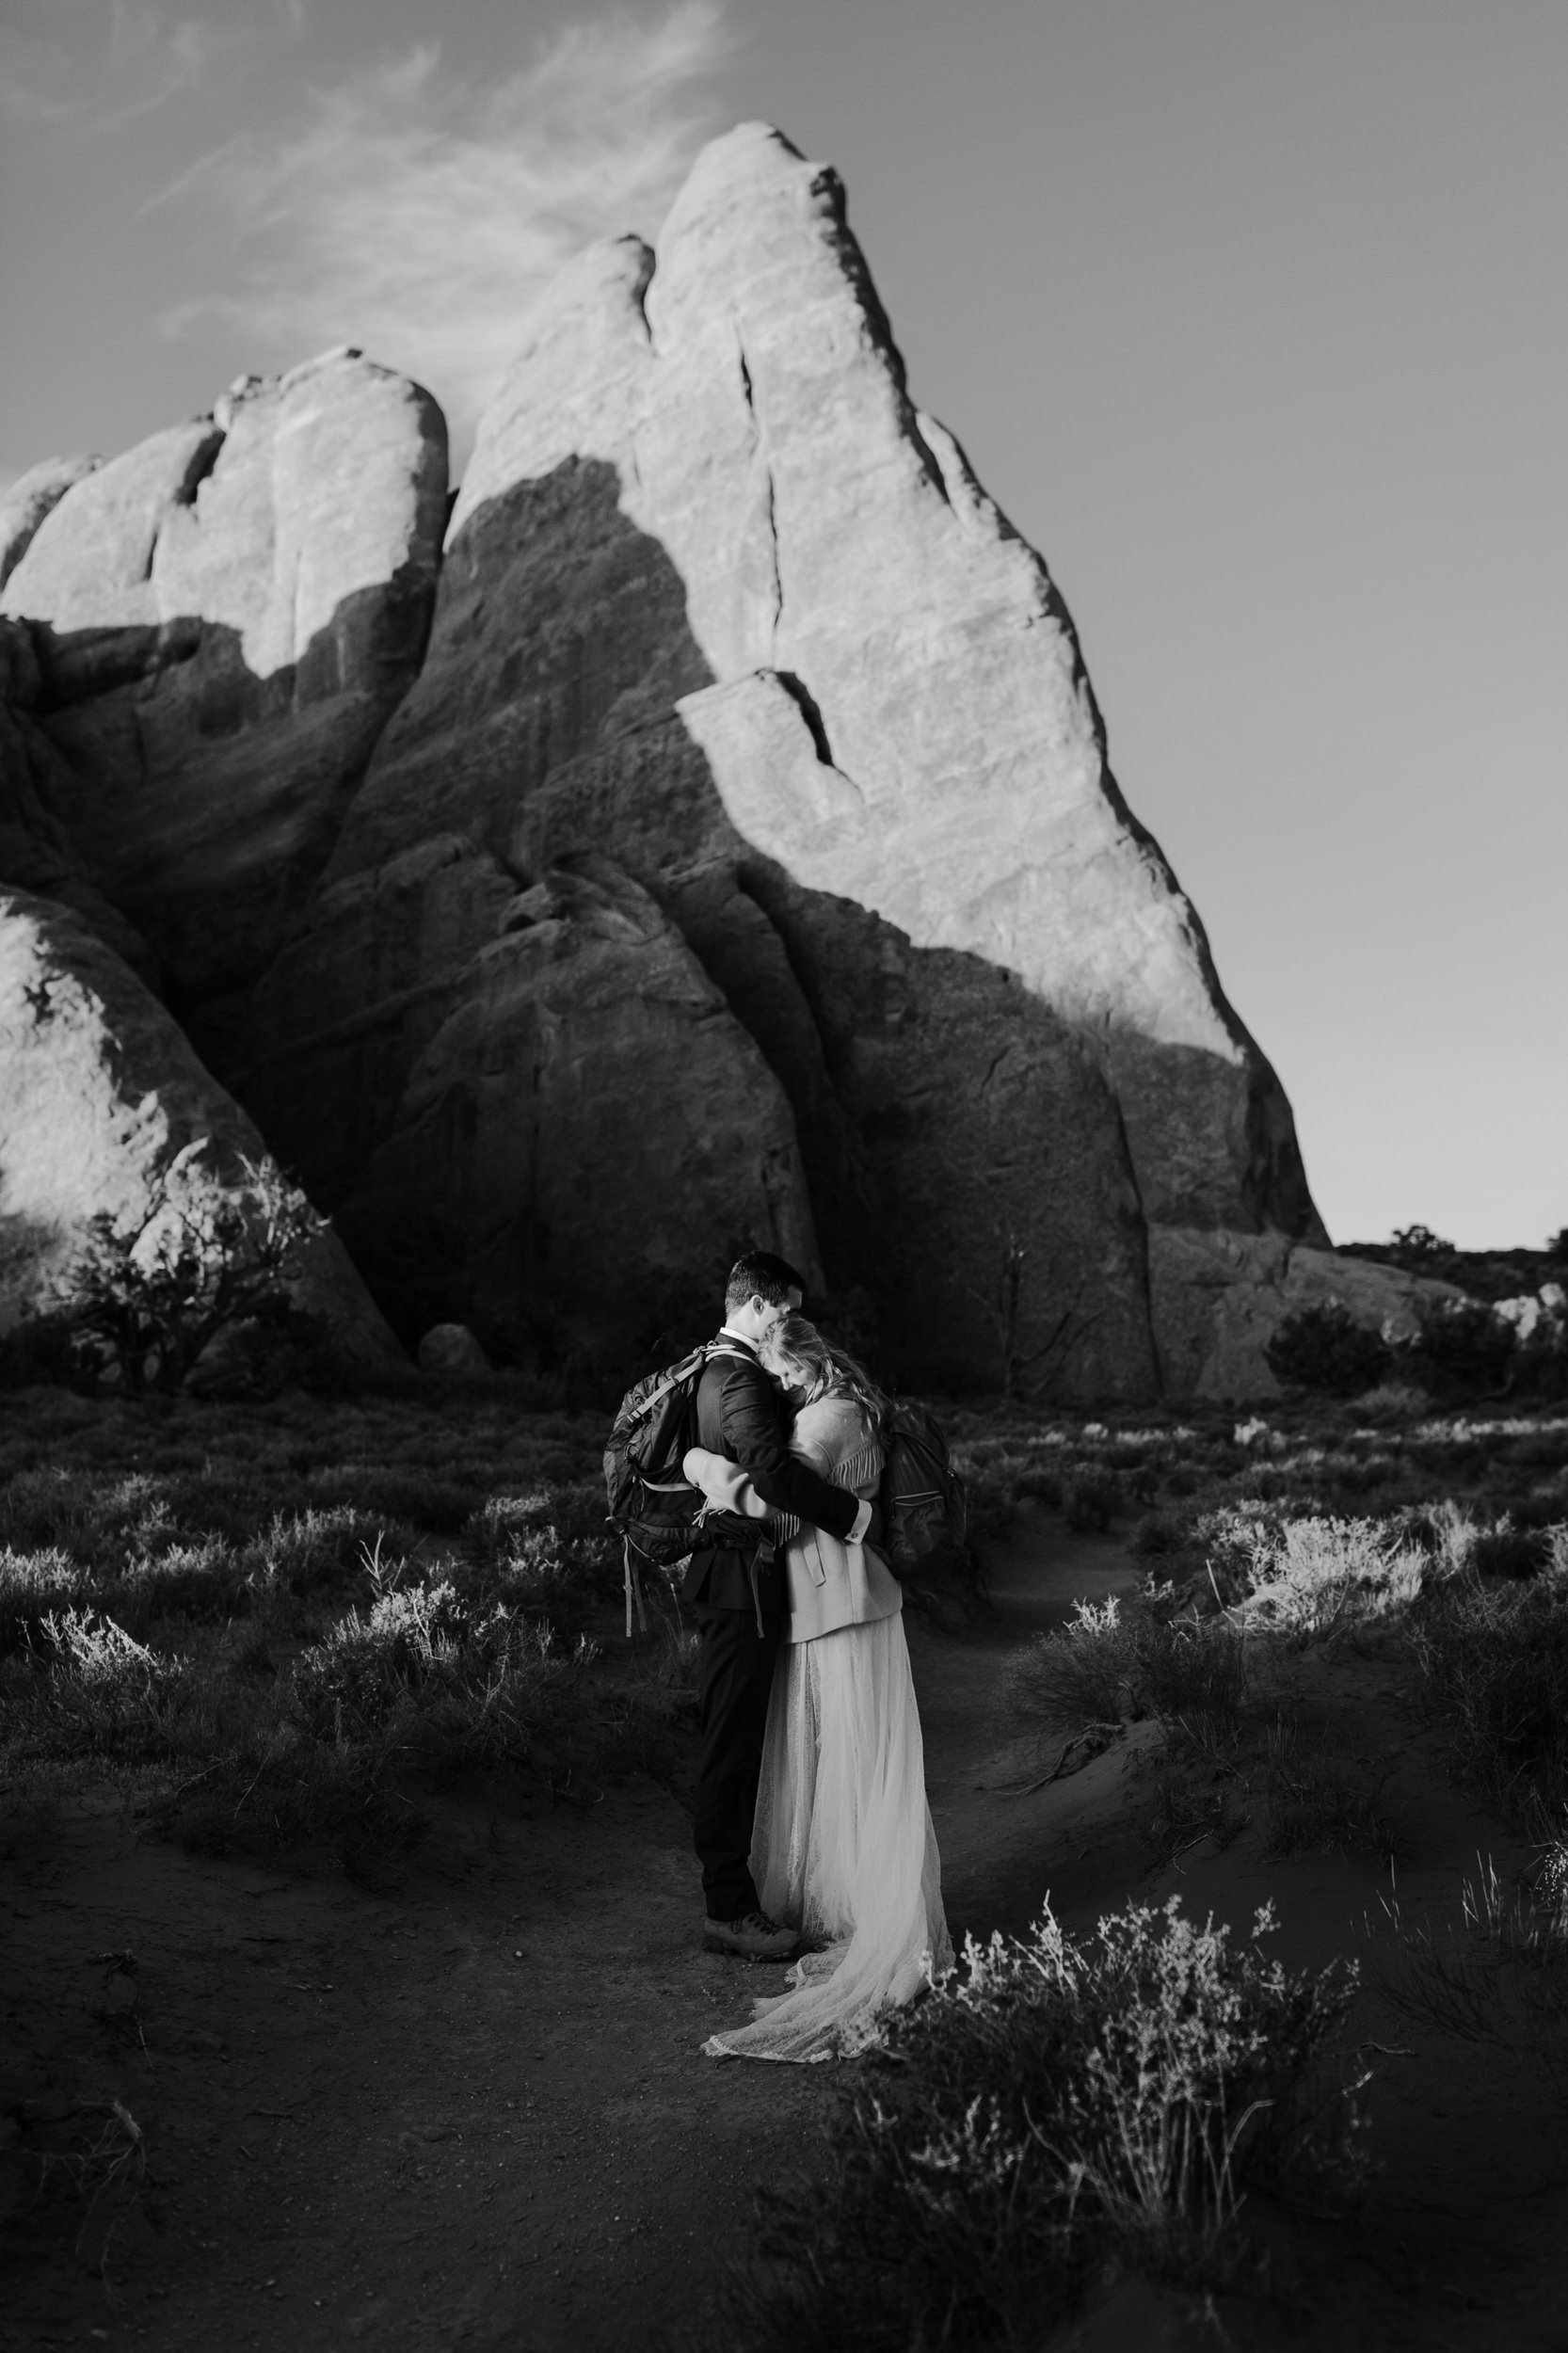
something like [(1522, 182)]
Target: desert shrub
[(106, 1691), (1193, 1679), (547, 1553), (1084, 1673), (417, 1497), (1038, 1486), (1107, 1664), (1509, 1551), (303, 1552), (468, 1686), (210, 1252), (1312, 1578), (33, 1586), (1324, 1350), (53, 1506), (1314, 1798), (197, 1581), (1161, 1536), (1499, 1974), (1444, 1530), (1493, 1666), (1064, 2106), (1091, 1501), (1462, 1349), (1391, 1403), (370, 1663)]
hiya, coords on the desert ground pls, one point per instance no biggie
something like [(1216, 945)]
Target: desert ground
[(352, 1981)]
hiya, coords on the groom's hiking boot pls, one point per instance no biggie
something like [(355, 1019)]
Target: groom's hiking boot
[(753, 1937)]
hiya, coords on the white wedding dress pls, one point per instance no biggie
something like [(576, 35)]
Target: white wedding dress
[(842, 1845)]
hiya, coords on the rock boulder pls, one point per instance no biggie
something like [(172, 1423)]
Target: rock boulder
[(451, 1348), (99, 1092), (1219, 1297)]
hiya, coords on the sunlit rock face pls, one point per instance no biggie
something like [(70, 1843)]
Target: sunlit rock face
[(29, 498), (99, 1092), (719, 604), (223, 618)]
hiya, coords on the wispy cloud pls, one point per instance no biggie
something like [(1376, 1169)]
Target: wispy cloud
[(420, 215), (98, 69)]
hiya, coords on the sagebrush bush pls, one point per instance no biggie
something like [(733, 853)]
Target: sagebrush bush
[(110, 1694), (1108, 1663), (1313, 1578), (1493, 1666), (1509, 1551), (33, 1587), (1061, 2107), (1462, 1349), (1498, 1973)]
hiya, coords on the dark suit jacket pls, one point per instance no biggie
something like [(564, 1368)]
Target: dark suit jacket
[(739, 1414)]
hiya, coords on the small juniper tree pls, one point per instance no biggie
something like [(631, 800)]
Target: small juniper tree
[(1321, 1348), (207, 1254)]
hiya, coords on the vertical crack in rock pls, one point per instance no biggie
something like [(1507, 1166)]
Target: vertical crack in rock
[(770, 502), (772, 519), (805, 703), (1142, 1275), (202, 460)]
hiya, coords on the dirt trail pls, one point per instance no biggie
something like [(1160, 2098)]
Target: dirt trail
[(470, 2110)]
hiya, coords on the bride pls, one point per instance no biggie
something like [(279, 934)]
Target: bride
[(842, 1844)]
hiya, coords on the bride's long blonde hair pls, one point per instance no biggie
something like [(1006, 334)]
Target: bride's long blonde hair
[(794, 1344)]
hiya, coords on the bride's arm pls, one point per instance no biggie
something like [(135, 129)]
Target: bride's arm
[(726, 1485)]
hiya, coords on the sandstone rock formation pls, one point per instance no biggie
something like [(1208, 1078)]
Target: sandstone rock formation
[(29, 498), (719, 604), (223, 618), (739, 860), (98, 1094), (1219, 1298)]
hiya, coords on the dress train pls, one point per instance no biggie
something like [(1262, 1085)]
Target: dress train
[(843, 1846)]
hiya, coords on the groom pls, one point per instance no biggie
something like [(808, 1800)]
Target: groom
[(735, 1585)]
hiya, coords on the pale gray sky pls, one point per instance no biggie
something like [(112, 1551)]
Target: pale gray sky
[(1249, 313)]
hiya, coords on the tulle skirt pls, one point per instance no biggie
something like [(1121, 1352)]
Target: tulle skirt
[(842, 1846)]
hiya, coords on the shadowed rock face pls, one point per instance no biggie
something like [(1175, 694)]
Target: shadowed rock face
[(740, 859), (223, 619)]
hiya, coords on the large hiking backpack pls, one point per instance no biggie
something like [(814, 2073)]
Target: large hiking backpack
[(924, 1511), (653, 1507)]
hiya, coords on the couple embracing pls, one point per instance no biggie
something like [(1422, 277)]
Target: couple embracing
[(811, 1823)]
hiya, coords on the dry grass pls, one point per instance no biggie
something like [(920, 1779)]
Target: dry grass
[(1498, 1973)]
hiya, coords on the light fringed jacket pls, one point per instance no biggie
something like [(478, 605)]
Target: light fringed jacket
[(829, 1584)]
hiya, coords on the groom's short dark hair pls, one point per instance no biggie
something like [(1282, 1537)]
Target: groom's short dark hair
[(761, 1275)]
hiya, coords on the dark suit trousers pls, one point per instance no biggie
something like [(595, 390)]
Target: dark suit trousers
[(737, 1670)]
